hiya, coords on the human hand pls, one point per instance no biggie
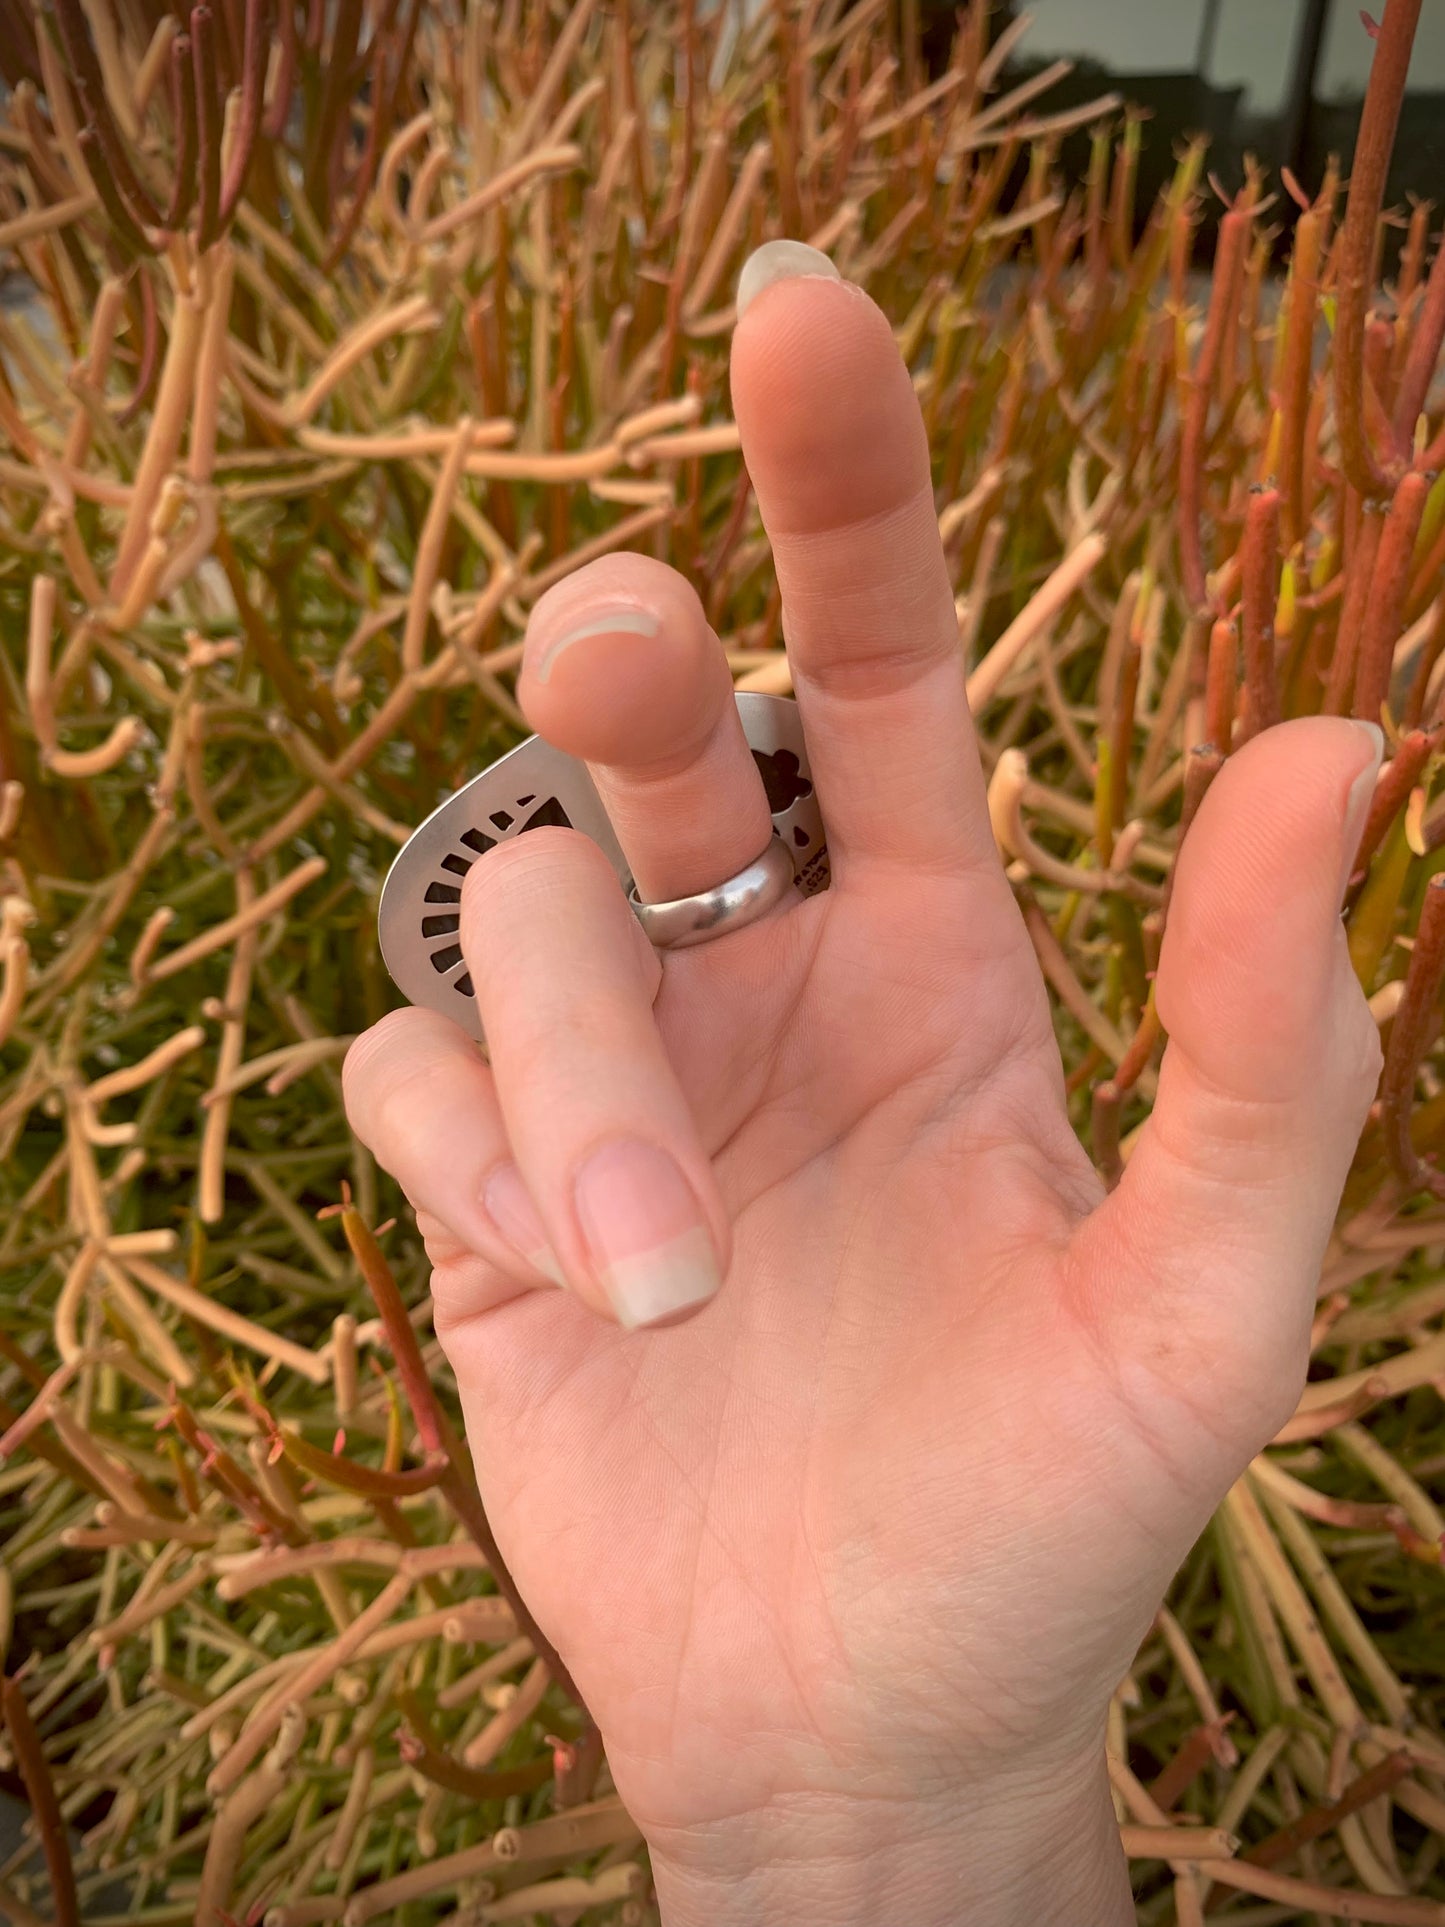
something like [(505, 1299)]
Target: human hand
[(848, 1562)]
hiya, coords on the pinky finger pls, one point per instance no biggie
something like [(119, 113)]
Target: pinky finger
[(421, 1098)]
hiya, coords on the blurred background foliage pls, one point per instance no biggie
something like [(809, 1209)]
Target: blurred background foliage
[(332, 335), (1283, 83)]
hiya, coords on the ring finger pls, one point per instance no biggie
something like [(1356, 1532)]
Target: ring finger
[(622, 670)]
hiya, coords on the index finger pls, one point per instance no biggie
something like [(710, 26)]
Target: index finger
[(835, 445)]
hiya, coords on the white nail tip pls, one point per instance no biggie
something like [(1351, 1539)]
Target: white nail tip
[(654, 1287), (780, 261), (629, 622)]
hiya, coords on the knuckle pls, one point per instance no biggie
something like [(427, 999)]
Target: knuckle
[(442, 1245), (534, 859), (545, 847), (519, 887)]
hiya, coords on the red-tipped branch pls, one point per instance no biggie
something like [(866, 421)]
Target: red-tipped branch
[(132, 239), (1409, 1039), (1200, 1750), (90, 85), (1221, 685), (378, 132), (420, 1748), (1424, 356), (248, 121), (183, 115), (1294, 399), (457, 1481), (1108, 1097), (222, 1470), (1229, 261), (150, 349), (330, 1468), (1359, 572), (410, 1365), (1389, 586), (1319, 1821), (1373, 147), (1433, 460), (1392, 792), (278, 112), (39, 1786), (1259, 595), (1202, 764), (208, 125), (1430, 653)]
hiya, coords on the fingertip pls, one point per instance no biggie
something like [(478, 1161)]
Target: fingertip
[(831, 428), (624, 579), (1303, 770), (648, 1237), (1277, 818), (620, 665), (1249, 969)]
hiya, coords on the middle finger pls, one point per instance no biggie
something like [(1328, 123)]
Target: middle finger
[(836, 447)]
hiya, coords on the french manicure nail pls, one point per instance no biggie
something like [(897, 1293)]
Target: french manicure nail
[(607, 622), (1357, 803), (651, 1250), (509, 1203), (780, 261)]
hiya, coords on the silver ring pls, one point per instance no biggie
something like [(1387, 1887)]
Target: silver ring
[(741, 900)]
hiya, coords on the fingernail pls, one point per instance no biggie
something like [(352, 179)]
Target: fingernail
[(780, 261), (1357, 803), (607, 622), (649, 1246), (510, 1206)]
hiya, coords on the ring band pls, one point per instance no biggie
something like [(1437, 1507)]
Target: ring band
[(741, 900)]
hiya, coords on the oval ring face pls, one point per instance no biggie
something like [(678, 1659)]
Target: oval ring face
[(419, 918)]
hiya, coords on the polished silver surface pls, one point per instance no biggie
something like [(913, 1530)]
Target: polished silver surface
[(741, 900), (419, 918)]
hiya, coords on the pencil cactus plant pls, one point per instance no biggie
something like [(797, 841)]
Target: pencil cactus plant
[(343, 332)]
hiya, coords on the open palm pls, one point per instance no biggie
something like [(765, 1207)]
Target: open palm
[(884, 1517)]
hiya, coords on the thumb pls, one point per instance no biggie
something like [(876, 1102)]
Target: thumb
[(1205, 1261)]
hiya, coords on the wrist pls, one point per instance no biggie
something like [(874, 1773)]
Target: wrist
[(1046, 1857)]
